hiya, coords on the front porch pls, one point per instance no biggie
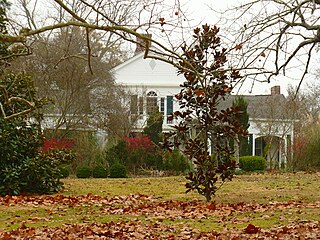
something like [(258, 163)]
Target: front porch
[(275, 149)]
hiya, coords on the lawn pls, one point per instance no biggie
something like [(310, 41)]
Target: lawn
[(258, 206)]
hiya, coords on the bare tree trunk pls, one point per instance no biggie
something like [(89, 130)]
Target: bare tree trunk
[(236, 149)]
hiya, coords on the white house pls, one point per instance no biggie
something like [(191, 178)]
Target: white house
[(152, 84)]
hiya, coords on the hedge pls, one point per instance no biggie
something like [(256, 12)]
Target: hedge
[(252, 163)]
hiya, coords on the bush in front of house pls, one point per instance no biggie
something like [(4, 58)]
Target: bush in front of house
[(35, 175), (118, 170), (153, 161), (176, 161), (139, 154), (24, 167), (64, 170), (135, 153), (100, 171), (252, 163), (117, 153), (84, 172)]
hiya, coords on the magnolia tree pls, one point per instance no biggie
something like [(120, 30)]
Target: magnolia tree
[(207, 83)]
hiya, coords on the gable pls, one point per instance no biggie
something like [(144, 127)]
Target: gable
[(138, 71)]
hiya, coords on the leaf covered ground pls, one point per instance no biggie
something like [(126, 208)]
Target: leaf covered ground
[(279, 212)]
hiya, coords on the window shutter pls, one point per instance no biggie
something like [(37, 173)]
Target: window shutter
[(169, 105), (250, 142), (134, 104)]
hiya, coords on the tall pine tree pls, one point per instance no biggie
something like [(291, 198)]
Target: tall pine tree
[(242, 105), (154, 127)]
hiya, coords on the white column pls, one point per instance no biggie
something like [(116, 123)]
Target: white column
[(253, 144), (285, 151)]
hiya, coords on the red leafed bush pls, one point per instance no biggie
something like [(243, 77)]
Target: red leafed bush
[(59, 150), (299, 144), (57, 144), (139, 142), (306, 148)]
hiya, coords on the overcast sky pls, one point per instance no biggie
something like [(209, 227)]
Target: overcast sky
[(202, 12)]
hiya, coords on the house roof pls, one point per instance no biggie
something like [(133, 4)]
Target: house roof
[(127, 62), (136, 56), (274, 106)]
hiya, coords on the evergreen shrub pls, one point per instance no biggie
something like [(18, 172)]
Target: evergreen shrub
[(84, 172), (64, 170), (117, 153), (118, 170), (153, 161), (23, 167), (100, 171), (252, 163), (177, 162)]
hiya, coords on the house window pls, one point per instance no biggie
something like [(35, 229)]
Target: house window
[(134, 104), (260, 145), (162, 105), (140, 106), (289, 141), (152, 102)]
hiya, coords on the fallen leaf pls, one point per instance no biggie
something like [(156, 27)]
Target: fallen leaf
[(251, 229)]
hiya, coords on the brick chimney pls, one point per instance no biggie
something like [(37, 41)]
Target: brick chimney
[(275, 90), (141, 43)]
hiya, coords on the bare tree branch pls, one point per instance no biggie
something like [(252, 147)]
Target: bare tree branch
[(10, 100), (280, 31)]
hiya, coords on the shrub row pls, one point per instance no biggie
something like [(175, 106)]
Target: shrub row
[(139, 158), (117, 170)]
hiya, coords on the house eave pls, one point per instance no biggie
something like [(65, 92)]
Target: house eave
[(132, 59), (273, 120)]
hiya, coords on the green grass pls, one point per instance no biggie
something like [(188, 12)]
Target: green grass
[(261, 188), (166, 187), (257, 188)]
